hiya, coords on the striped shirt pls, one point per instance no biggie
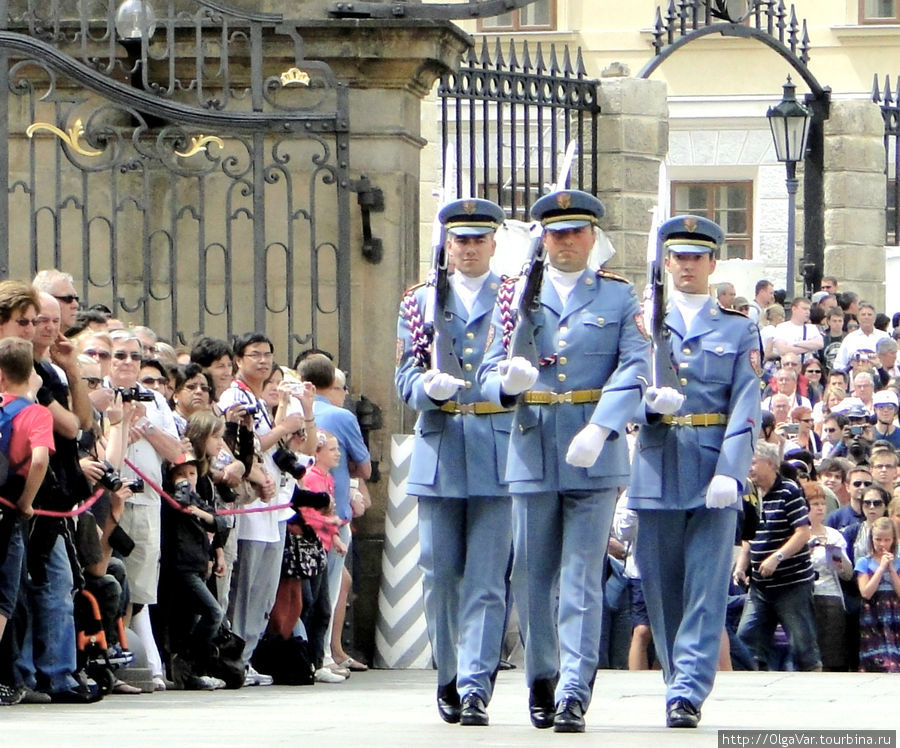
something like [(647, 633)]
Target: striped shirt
[(783, 510)]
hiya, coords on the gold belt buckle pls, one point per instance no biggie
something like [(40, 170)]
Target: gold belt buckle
[(565, 397), (466, 408)]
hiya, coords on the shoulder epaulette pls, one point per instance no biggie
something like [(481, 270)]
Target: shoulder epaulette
[(415, 287), (609, 275), (732, 311)]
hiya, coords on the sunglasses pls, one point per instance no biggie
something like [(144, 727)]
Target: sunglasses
[(124, 356), (23, 322), (67, 299), (102, 355), (829, 431), (93, 382), (197, 386), (150, 381), (873, 502), (862, 483), (813, 371)]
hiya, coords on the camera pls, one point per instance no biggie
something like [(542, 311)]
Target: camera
[(857, 430), (790, 429), (136, 485), (251, 409), (110, 479), (134, 393), (182, 492), (287, 462)]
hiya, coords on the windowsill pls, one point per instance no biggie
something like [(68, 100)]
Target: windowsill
[(865, 33)]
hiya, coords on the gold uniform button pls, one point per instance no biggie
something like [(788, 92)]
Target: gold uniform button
[(562, 343), (468, 384), (713, 312), (683, 381), (589, 281), (468, 367), (601, 321), (470, 335), (686, 351), (563, 360), (561, 377), (521, 427), (467, 351), (563, 330), (719, 349)]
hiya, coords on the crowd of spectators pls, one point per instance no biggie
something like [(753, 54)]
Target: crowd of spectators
[(815, 582), (200, 495)]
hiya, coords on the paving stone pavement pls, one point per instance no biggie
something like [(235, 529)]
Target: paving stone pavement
[(396, 708)]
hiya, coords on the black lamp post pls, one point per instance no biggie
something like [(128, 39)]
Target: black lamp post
[(789, 121)]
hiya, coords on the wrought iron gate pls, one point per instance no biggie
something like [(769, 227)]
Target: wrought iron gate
[(889, 101), (506, 121), (190, 169)]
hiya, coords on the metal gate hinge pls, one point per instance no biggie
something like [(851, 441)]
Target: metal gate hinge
[(370, 200)]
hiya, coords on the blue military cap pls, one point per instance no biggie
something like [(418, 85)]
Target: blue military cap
[(693, 235), (567, 209), (471, 217)]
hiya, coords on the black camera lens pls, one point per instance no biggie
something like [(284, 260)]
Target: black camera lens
[(110, 479), (287, 462)]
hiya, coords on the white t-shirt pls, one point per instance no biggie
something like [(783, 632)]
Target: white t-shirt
[(261, 526), (790, 333), (857, 341)]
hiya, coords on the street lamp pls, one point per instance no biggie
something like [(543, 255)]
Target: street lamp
[(789, 121), (135, 19)]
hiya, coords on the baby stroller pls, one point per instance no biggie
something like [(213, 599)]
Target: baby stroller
[(95, 657)]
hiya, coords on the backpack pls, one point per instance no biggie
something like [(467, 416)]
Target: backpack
[(7, 412)]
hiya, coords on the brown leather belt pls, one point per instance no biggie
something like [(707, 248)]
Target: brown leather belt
[(697, 419), (473, 409), (574, 397)]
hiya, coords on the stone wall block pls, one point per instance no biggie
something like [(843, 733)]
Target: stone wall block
[(855, 189)]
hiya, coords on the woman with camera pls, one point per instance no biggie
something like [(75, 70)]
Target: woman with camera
[(828, 553)]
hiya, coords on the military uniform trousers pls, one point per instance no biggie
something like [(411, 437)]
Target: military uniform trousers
[(465, 546), (685, 558), (559, 541)]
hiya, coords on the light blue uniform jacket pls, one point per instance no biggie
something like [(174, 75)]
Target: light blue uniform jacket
[(454, 455), (673, 465), (591, 342)]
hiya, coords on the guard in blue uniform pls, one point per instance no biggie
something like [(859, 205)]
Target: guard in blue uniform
[(566, 458), (690, 468), (457, 469)]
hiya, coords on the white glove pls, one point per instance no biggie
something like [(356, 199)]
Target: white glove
[(441, 386), (516, 375), (584, 449), (722, 492), (665, 400)]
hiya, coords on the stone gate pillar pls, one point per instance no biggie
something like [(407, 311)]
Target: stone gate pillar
[(855, 198), (634, 139)]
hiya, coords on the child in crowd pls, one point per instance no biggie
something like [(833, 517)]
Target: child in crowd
[(316, 603), (30, 444), (879, 585), (193, 611)]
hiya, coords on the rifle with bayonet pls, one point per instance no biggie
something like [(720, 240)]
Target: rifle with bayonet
[(524, 309), (663, 369), (443, 357)]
